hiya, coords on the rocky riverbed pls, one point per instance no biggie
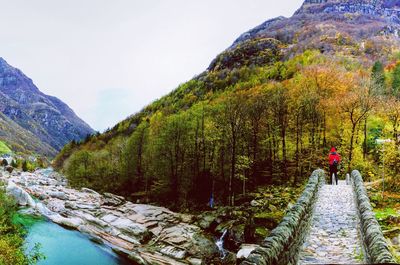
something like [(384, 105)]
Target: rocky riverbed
[(146, 234)]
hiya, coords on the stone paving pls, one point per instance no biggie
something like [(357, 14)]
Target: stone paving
[(334, 236)]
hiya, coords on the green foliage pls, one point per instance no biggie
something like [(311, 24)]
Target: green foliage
[(396, 81), (250, 53), (14, 163), (27, 165), (383, 214), (4, 149), (11, 236), (77, 167), (378, 78), (228, 131)]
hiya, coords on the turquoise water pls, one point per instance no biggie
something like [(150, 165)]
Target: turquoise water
[(67, 247)]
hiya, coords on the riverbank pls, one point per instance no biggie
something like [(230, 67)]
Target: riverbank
[(12, 236), (143, 233), (148, 234), (76, 248)]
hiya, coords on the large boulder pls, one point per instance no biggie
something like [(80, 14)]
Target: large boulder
[(72, 222), (58, 194), (245, 250), (136, 230), (9, 169), (19, 194), (207, 220), (112, 199)]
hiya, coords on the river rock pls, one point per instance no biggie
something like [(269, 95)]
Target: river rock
[(149, 234), (143, 257), (88, 206), (255, 203), (68, 222), (202, 245), (245, 250), (9, 169), (109, 218), (88, 218), (195, 261), (87, 190), (111, 199), (173, 252), (186, 218), (130, 227), (206, 220), (129, 239), (20, 195), (56, 206), (70, 205), (58, 194)]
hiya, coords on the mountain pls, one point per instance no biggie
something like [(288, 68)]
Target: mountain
[(265, 110), (31, 120), (359, 18)]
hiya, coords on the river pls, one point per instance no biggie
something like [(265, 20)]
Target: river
[(65, 247)]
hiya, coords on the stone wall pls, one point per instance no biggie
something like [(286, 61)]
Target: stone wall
[(283, 244), (377, 250)]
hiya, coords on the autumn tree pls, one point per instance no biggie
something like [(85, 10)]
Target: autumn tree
[(355, 104), (280, 111), (396, 81), (391, 109), (232, 117)]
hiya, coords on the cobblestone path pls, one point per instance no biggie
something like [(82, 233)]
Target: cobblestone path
[(334, 235)]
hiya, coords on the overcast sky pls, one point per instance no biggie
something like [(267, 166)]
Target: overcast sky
[(108, 59)]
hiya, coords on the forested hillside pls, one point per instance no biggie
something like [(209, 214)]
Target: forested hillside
[(266, 111)]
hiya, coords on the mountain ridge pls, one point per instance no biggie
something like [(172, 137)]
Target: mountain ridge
[(365, 18), (49, 119)]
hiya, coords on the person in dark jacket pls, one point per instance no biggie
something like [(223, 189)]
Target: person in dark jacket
[(334, 160)]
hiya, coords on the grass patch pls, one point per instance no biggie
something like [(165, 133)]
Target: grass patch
[(261, 232), (384, 213), (4, 149)]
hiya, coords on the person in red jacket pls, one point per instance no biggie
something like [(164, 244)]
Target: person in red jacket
[(334, 160)]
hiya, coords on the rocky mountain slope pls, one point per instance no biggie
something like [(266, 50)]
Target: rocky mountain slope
[(363, 19), (31, 120)]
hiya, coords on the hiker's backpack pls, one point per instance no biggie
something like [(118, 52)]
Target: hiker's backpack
[(335, 162)]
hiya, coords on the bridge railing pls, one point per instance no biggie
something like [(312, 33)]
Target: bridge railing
[(283, 244), (376, 247)]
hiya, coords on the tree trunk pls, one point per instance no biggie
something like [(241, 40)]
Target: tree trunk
[(284, 159), (353, 130), (324, 132), (233, 163), (297, 147), (365, 150)]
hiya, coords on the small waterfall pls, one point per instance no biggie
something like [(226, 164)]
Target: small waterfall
[(220, 244)]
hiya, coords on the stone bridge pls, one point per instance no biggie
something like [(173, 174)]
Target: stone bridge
[(329, 224)]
